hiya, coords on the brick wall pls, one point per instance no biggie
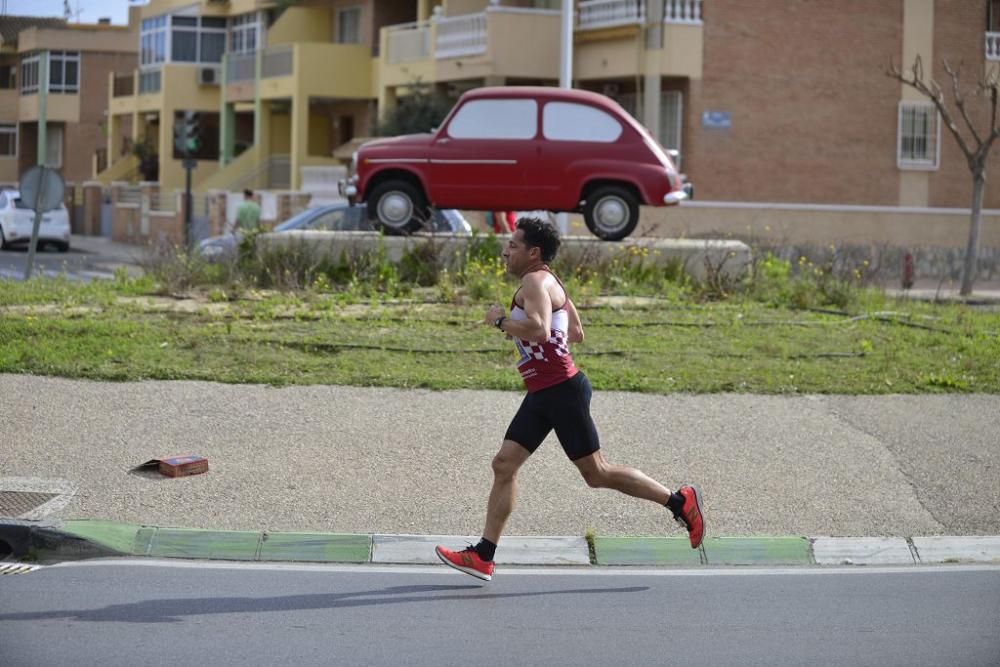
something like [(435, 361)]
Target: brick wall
[(813, 117), (959, 34)]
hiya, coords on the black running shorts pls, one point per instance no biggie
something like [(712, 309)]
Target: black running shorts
[(564, 407)]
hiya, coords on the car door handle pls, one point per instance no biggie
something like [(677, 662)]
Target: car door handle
[(444, 140)]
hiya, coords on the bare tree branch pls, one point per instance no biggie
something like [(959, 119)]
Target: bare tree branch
[(956, 76)]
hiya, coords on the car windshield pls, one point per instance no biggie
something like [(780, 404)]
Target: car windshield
[(21, 204)]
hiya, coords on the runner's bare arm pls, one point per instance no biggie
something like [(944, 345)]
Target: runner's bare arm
[(575, 332), (537, 306)]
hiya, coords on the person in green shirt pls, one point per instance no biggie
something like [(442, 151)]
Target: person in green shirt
[(248, 213)]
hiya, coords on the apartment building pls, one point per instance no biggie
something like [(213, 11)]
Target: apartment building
[(765, 100), (80, 58)]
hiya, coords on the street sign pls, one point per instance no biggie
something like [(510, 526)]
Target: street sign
[(42, 189)]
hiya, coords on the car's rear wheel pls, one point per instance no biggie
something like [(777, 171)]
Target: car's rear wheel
[(398, 206), (62, 246), (611, 212)]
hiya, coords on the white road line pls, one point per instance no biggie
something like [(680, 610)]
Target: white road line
[(514, 571)]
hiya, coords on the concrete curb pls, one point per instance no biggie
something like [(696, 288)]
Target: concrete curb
[(74, 540)]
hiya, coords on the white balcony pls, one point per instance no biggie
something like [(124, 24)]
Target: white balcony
[(610, 13), (407, 42), (463, 35), (993, 46), (594, 14)]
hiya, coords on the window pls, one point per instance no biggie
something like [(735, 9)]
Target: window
[(244, 32), (29, 75), (671, 120), (332, 221), (349, 26), (153, 41), (495, 119), (8, 77), (567, 121), (64, 72), (918, 136), (8, 140), (182, 39), (993, 16)]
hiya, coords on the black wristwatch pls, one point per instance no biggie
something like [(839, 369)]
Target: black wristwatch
[(498, 323)]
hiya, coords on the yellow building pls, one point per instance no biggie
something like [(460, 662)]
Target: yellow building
[(278, 87)]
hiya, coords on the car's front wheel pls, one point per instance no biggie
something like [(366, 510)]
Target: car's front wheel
[(611, 212), (398, 206)]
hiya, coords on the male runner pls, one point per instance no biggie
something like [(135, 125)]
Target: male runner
[(542, 323)]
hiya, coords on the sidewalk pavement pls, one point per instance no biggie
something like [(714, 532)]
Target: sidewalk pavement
[(299, 473)]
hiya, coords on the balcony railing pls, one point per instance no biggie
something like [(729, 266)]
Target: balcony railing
[(124, 86), (460, 35), (149, 82), (682, 11), (993, 46), (408, 41), (278, 61), (241, 67), (611, 13)]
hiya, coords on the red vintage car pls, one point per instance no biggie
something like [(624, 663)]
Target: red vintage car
[(520, 148)]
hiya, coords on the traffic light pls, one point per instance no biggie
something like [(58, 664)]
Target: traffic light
[(187, 134)]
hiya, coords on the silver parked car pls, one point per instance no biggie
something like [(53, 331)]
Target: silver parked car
[(17, 220), (341, 217)]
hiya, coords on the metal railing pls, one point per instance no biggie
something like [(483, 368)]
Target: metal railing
[(993, 46), (241, 67), (124, 85), (150, 82), (408, 41), (460, 35), (278, 61)]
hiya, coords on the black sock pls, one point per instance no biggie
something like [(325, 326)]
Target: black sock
[(675, 503), (486, 549)]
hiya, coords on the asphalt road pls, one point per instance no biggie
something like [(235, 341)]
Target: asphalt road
[(91, 261), (365, 460), (121, 613)]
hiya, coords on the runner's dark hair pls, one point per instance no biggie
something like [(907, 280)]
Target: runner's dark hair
[(540, 234)]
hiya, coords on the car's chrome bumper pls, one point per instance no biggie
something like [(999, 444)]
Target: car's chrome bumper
[(347, 187), (677, 196)]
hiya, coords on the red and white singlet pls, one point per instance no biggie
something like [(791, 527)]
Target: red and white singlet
[(545, 364)]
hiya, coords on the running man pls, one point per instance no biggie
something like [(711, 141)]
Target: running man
[(542, 323)]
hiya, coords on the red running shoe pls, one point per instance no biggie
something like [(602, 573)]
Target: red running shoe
[(690, 515), (466, 560)]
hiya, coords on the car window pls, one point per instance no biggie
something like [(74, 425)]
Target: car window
[(3, 200), (21, 204), (495, 119), (568, 121), (330, 221)]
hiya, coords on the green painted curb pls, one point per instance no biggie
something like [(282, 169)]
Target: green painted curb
[(757, 551), (198, 543), (316, 547), (645, 551), (117, 536)]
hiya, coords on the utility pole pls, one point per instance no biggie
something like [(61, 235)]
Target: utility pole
[(565, 77), (43, 146)]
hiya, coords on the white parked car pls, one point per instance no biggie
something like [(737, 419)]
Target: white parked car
[(16, 220)]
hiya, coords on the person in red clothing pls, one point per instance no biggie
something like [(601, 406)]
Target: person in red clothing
[(542, 323), (504, 222)]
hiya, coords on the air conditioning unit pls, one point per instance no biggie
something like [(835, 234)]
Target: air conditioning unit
[(610, 89), (208, 76)]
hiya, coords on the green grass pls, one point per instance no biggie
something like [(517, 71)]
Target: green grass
[(106, 332)]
